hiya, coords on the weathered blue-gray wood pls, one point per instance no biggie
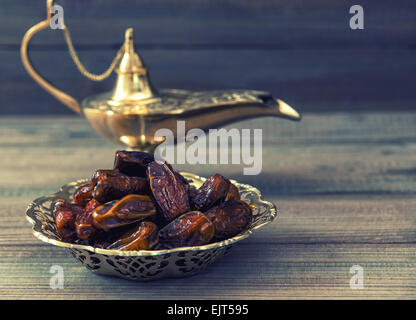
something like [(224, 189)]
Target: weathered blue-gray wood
[(344, 185), (303, 51)]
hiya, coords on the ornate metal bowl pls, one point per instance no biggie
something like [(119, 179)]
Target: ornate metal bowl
[(145, 265)]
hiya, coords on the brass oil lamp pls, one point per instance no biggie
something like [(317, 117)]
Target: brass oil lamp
[(134, 109)]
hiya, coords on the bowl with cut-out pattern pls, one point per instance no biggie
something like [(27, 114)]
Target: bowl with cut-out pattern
[(145, 265)]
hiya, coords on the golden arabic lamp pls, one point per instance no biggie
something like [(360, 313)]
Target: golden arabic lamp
[(134, 109)]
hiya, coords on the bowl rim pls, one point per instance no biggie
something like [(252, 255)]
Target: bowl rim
[(64, 191)]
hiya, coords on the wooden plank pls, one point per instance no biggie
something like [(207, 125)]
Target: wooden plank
[(306, 253), (335, 219), (282, 24), (302, 52), (250, 271), (310, 80), (345, 154), (344, 186)]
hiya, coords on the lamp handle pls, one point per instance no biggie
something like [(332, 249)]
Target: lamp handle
[(63, 97)]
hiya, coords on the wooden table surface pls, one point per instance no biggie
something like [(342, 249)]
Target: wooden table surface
[(344, 185)]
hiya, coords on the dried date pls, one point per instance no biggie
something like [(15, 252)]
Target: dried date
[(232, 193), (82, 195), (65, 214), (230, 218), (142, 237), (169, 191), (84, 226), (132, 163), (130, 209), (60, 204), (213, 190), (108, 185), (142, 204), (190, 229)]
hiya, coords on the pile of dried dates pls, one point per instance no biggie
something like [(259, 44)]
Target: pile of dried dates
[(143, 204)]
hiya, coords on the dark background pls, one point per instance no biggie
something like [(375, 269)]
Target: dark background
[(302, 51)]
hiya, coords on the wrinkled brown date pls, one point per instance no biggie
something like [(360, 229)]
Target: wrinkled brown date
[(60, 204), (192, 192), (108, 185), (142, 204), (132, 208), (190, 229), (84, 226), (214, 189), (232, 193), (82, 195), (169, 191), (65, 214), (230, 218), (142, 237), (132, 163)]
